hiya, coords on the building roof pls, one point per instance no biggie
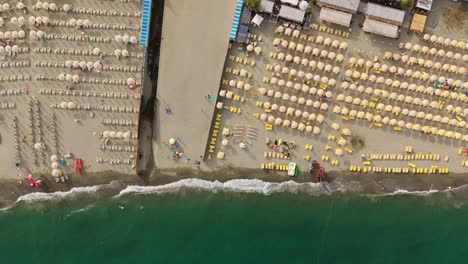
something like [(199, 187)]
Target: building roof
[(290, 13), (242, 33), (344, 5), (424, 4), (418, 23), (335, 16), (380, 28), (385, 13), (266, 6), (246, 16)]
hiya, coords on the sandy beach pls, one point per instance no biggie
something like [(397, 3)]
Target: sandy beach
[(339, 102), (70, 76)]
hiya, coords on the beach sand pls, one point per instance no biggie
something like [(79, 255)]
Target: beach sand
[(77, 131)]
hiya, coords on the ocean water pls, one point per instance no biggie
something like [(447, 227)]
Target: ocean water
[(237, 222)]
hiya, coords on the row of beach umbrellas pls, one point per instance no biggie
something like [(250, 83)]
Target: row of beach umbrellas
[(435, 52), (9, 48), (406, 59), (292, 111), (408, 99), (117, 134), (445, 41), (240, 85), (303, 88), (312, 64), (126, 39), (410, 87), (292, 124), (257, 49), (12, 34), (294, 99), (46, 6), (319, 39), (408, 73), (83, 64), (323, 53), (309, 76)]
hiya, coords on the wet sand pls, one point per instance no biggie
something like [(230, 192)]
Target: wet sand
[(369, 183)]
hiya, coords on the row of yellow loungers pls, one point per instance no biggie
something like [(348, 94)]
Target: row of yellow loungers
[(276, 155), (331, 30), (273, 166), (431, 170), (214, 134), (419, 156), (242, 60), (236, 71)]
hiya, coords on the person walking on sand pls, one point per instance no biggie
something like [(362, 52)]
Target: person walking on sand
[(208, 97)]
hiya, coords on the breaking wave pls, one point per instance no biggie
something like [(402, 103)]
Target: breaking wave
[(117, 189), (76, 192), (239, 186)]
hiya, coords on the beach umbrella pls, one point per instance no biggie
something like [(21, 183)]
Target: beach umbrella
[(320, 119), (294, 124), (408, 45), (66, 7), (319, 39), (305, 88), (327, 41), (425, 49), (352, 60), (343, 45), (346, 132), (271, 119), (292, 45), (440, 40), (336, 70), (449, 55), (288, 31), (304, 61), (335, 43), (337, 109), (404, 58), (69, 77), (344, 111), (263, 117), (279, 29), (258, 50), (316, 130), (124, 52), (339, 58), (75, 78), (441, 53)]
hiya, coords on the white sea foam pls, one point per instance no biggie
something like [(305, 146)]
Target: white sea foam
[(406, 192), (238, 185), (57, 196)]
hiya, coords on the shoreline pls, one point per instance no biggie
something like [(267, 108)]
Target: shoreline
[(370, 183)]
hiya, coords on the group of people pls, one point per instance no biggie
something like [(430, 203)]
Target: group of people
[(283, 146)]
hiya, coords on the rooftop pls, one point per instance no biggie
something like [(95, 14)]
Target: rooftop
[(351, 5), (335, 16), (386, 13)]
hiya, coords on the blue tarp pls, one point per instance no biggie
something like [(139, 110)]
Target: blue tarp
[(145, 18), (235, 23)]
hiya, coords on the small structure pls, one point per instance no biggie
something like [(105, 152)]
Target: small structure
[(336, 16), (385, 14), (425, 5), (292, 14), (380, 28), (418, 23), (349, 6), (266, 6), (383, 20), (338, 11)]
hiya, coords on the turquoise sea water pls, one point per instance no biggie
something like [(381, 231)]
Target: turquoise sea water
[(205, 227)]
